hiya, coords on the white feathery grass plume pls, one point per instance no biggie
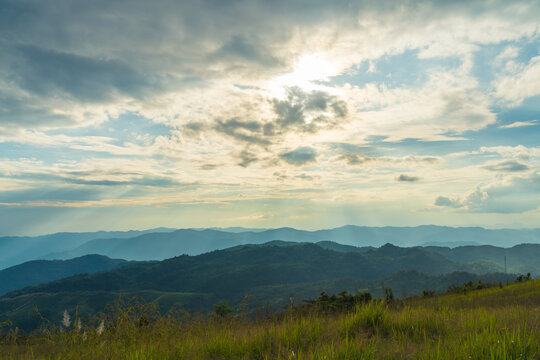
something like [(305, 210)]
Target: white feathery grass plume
[(78, 325), (66, 321), (101, 327)]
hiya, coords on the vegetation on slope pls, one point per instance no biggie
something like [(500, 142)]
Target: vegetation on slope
[(493, 323), (41, 271), (270, 273)]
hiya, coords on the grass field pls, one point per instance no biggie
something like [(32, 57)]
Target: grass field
[(493, 323)]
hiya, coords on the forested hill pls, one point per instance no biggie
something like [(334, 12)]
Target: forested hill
[(41, 271), (271, 273)]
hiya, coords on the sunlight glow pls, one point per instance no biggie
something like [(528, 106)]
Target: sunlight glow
[(309, 70)]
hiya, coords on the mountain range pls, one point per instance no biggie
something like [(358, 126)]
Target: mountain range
[(159, 244), (273, 272), (18, 249)]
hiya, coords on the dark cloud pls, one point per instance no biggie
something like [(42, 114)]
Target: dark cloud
[(300, 156), (240, 49), (447, 202), (352, 158), (51, 73), (308, 111), (19, 113), (407, 178), (246, 158), (507, 166), (243, 131), (194, 128), (208, 167), (306, 177)]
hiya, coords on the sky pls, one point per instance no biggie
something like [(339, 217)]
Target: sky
[(311, 114)]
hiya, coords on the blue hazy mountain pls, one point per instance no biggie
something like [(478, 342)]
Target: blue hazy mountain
[(18, 249), (165, 243), (158, 246)]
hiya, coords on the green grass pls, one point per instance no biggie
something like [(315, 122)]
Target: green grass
[(493, 323)]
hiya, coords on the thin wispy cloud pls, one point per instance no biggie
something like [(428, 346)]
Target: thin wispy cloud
[(518, 124)]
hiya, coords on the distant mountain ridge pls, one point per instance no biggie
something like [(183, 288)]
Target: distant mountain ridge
[(159, 244), (18, 249), (193, 242)]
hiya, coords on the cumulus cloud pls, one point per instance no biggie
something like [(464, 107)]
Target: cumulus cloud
[(511, 195), (520, 84), (300, 156), (447, 202), (308, 111)]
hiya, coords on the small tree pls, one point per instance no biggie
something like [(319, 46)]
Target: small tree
[(222, 309)]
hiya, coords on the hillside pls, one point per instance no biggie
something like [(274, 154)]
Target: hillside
[(41, 271), (522, 258), (494, 323), (270, 273)]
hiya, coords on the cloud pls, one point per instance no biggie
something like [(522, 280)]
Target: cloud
[(510, 52), (100, 172), (407, 178), (519, 124), (240, 49), (300, 156), (448, 108), (243, 131), (518, 151), (208, 81), (246, 158), (82, 53), (355, 159), (308, 111), (447, 202), (208, 166), (507, 166), (512, 195), (521, 83), (51, 73)]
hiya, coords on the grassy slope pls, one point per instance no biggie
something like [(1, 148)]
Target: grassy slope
[(492, 323)]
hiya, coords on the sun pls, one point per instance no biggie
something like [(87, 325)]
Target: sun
[(308, 71)]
